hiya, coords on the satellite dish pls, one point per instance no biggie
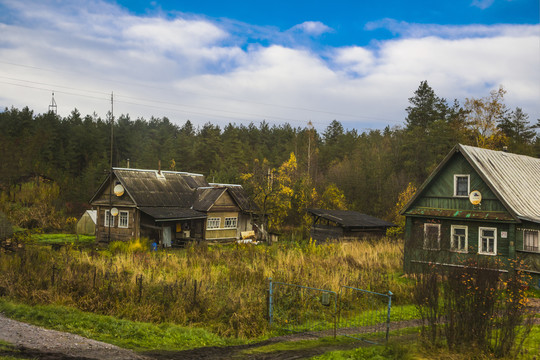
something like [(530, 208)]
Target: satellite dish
[(475, 197), (118, 190), (114, 211)]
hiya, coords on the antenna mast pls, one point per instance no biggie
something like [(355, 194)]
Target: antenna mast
[(111, 170), (53, 107)]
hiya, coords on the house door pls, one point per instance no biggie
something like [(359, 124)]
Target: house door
[(167, 236)]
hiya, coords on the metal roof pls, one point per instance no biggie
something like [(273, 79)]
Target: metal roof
[(206, 197), (515, 179), (348, 218), (165, 188)]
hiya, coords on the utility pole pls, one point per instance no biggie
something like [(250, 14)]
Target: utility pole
[(111, 169)]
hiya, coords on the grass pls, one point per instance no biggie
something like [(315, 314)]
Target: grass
[(63, 239), (127, 334), (222, 289)]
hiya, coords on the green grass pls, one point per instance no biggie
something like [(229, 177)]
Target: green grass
[(63, 239), (127, 334)]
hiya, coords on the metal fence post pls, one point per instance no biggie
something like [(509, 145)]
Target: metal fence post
[(388, 316), (270, 314)]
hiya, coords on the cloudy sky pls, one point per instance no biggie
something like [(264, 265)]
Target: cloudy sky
[(280, 61)]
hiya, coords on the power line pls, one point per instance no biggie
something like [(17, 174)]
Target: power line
[(354, 116)]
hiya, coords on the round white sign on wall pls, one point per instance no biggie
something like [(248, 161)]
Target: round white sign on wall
[(114, 211), (475, 197)]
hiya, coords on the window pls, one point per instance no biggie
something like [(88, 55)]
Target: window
[(230, 222), (458, 238), (530, 240), (432, 236), (487, 241), (213, 223), (123, 219), (461, 185), (108, 218)]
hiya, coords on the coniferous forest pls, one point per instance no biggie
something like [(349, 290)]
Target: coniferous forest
[(286, 169)]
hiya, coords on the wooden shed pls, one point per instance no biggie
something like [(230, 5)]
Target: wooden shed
[(345, 225)]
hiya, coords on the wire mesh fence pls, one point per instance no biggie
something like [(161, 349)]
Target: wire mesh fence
[(300, 309), (363, 314), (356, 313)]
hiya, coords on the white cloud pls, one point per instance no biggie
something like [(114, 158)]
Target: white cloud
[(193, 68), (482, 4), (314, 28)]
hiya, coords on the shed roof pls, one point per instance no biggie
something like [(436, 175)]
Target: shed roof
[(240, 196), (513, 178), (352, 219), (172, 213)]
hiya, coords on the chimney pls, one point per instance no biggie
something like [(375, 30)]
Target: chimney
[(159, 167), (128, 163), (505, 148)]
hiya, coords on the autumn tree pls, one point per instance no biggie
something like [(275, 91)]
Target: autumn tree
[(483, 117)]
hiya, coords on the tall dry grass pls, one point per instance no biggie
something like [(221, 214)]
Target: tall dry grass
[(221, 288)]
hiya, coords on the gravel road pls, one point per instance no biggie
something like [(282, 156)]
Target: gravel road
[(51, 344)]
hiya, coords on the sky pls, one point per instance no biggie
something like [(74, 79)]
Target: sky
[(245, 62)]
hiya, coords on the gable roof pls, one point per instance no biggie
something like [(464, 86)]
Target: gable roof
[(150, 188), (348, 218), (206, 197), (240, 196), (513, 178)]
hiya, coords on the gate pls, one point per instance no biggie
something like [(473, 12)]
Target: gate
[(301, 309), (356, 313), (364, 315)]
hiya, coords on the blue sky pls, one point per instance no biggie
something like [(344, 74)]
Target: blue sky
[(282, 61)]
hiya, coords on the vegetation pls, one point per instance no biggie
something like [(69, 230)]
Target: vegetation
[(222, 289), (51, 166), (476, 300)]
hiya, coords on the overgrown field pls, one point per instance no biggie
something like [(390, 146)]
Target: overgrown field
[(222, 289)]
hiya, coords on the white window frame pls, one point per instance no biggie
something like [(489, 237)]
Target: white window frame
[(453, 240), (480, 230), (108, 217), (120, 218), (213, 223), (531, 249), (456, 176), (231, 222), (438, 226)]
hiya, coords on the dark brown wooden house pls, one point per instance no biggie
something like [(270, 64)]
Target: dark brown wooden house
[(169, 207), (345, 225)]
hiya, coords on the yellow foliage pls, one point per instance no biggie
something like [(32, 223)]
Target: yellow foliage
[(404, 197)]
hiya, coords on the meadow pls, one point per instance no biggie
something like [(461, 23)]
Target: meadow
[(222, 289)]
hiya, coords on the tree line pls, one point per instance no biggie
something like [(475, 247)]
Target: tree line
[(286, 169)]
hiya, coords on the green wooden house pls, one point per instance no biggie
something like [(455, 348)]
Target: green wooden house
[(480, 204)]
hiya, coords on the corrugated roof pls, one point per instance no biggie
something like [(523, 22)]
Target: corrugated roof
[(514, 178), (172, 213), (206, 197), (350, 218), (150, 188)]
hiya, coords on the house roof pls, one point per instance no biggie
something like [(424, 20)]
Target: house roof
[(206, 197), (348, 218), (172, 213), (152, 188), (513, 178), (240, 196)]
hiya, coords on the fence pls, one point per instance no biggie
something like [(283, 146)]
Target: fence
[(295, 308), (356, 313), (364, 315)]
